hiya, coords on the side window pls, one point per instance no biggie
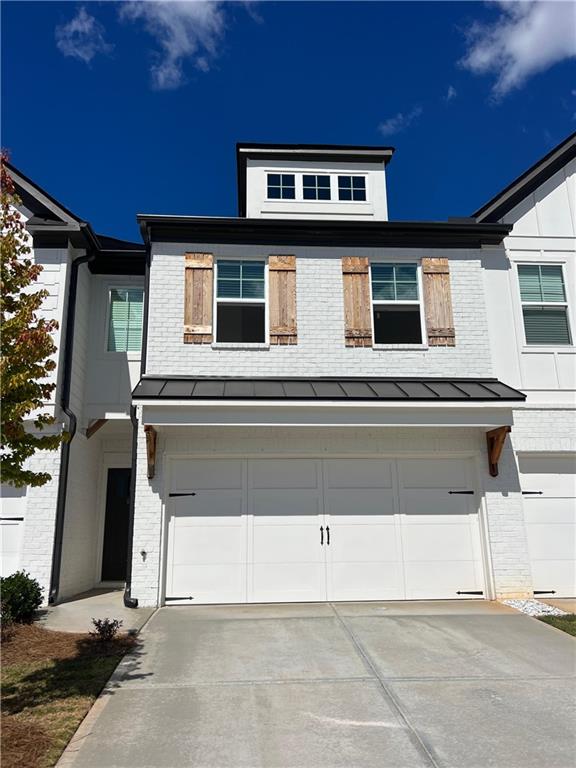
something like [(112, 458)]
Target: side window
[(315, 187), (281, 186), (396, 306), (352, 188), (240, 301), (125, 320), (544, 305)]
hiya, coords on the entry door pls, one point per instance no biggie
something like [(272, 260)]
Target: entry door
[(115, 547), (286, 549), (363, 546)]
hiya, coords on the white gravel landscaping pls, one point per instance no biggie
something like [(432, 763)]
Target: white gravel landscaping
[(534, 608)]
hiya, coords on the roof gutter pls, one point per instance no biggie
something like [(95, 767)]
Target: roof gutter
[(71, 416)]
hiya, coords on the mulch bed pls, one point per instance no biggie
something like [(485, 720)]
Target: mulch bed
[(50, 681)]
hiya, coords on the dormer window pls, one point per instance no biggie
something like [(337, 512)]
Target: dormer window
[(281, 186), (352, 188), (315, 187)]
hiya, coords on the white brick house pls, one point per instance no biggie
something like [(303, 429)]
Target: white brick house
[(328, 405)]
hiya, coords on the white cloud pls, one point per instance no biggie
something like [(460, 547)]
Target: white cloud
[(451, 93), (82, 37), (399, 122), (528, 37), (184, 29)]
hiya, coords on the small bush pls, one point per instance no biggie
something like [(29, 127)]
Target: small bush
[(20, 597), (105, 630)]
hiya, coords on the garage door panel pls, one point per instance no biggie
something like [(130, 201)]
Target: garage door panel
[(436, 580), (281, 582), (210, 583), (553, 475), (350, 503), (285, 502), (358, 473), (549, 511), (208, 504), (434, 473), (349, 543), (287, 473), (555, 575), (432, 502), (437, 543), (10, 545), (366, 581), (551, 542), (286, 543), (195, 474), (205, 544)]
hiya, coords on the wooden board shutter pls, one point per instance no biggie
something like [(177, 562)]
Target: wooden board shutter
[(282, 290), (198, 290), (438, 302), (357, 303)]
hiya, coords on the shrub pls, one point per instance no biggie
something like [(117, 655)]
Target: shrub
[(20, 597), (105, 630)]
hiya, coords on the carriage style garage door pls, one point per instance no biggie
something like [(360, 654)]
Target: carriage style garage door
[(549, 497), (279, 530)]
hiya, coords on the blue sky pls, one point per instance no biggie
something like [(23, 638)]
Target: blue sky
[(119, 108)]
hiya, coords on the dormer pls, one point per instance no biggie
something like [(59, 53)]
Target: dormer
[(312, 181)]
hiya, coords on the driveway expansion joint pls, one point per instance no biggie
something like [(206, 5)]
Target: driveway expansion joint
[(418, 740)]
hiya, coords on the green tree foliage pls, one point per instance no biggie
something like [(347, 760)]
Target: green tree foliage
[(26, 349)]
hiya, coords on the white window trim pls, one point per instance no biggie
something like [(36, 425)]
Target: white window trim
[(352, 176), (299, 184), (554, 304), (380, 302), (242, 344), (132, 354), (282, 199)]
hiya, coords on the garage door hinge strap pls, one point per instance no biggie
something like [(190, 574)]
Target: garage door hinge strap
[(462, 493), (478, 592), (531, 493), (181, 494)]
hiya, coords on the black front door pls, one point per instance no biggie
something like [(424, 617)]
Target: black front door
[(114, 555)]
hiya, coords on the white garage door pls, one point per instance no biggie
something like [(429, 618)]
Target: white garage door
[(549, 496), (281, 530), (10, 544)]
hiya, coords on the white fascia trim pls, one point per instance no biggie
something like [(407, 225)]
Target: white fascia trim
[(394, 404)]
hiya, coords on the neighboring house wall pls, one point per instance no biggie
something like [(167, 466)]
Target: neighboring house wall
[(321, 349)]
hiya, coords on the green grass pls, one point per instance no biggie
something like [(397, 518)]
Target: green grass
[(565, 623)]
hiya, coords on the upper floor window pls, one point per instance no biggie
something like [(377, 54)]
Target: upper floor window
[(315, 187), (351, 187), (396, 307), (544, 305), (125, 320), (281, 186), (240, 301)]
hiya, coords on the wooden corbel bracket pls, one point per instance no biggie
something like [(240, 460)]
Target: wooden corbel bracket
[(151, 437), (94, 426), (495, 440)]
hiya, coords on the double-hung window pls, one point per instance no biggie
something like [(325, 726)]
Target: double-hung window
[(125, 320), (352, 188), (315, 187), (240, 301), (396, 303), (544, 305), (281, 186)]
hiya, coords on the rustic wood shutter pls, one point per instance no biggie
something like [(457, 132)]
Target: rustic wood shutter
[(282, 291), (438, 302), (198, 291), (357, 302)]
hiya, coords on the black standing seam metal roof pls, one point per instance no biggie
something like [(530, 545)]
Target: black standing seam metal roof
[(342, 389)]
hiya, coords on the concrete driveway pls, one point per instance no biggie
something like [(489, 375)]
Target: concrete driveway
[(465, 685)]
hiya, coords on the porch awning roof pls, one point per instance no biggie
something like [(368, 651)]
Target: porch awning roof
[(403, 390)]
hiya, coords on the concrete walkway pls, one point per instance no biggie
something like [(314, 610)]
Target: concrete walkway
[(359, 685), (76, 615)]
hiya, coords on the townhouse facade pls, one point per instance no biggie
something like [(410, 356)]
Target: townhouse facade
[(309, 401)]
